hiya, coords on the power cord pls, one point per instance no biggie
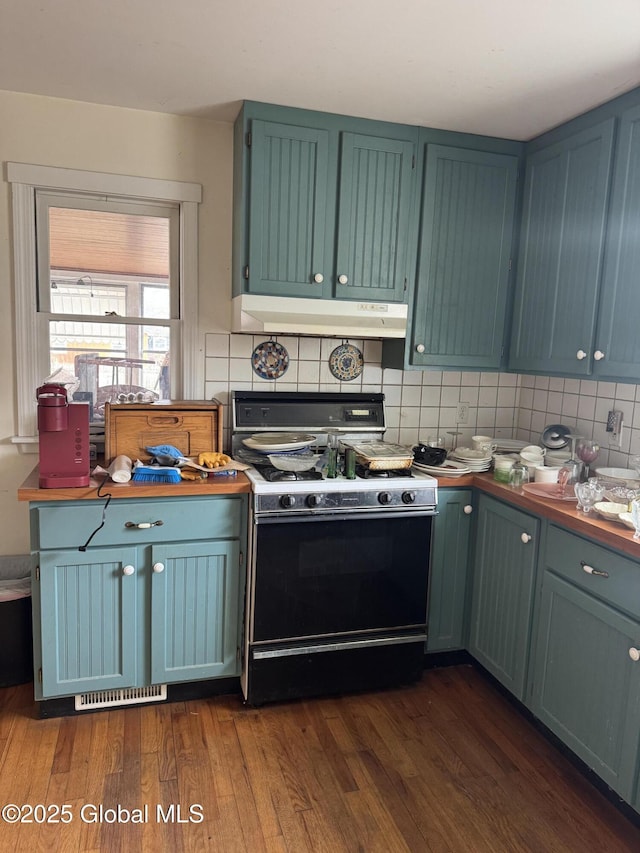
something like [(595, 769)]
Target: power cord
[(108, 497)]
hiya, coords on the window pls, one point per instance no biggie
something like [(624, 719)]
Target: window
[(108, 266)]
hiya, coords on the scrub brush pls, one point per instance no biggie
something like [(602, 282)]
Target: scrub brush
[(154, 474)]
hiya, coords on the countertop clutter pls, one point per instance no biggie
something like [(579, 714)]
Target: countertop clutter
[(238, 484), (565, 513)]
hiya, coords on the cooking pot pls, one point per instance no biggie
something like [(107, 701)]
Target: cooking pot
[(426, 455)]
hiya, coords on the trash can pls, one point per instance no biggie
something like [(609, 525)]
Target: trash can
[(16, 638)]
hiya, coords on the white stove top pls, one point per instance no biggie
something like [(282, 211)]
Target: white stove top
[(339, 484)]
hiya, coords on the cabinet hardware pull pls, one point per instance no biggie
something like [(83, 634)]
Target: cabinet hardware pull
[(591, 571), (144, 525), (318, 278), (420, 348), (525, 538), (581, 354), (342, 279), (468, 509), (158, 568), (634, 654), (128, 570), (598, 355)]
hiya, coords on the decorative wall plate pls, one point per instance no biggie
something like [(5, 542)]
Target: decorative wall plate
[(270, 360), (346, 362)]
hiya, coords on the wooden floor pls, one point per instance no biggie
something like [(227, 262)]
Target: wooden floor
[(446, 765)]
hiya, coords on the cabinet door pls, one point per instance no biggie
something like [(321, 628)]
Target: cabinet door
[(88, 620), (448, 574), (194, 611), (503, 579), (617, 339), (561, 253), (288, 210), (586, 687), (463, 266), (374, 204)]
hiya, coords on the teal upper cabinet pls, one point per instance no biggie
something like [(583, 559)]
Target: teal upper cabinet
[(287, 210), (374, 204), (617, 349), (322, 205), (561, 253), (468, 210)]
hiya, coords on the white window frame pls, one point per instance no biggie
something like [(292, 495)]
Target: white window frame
[(25, 179)]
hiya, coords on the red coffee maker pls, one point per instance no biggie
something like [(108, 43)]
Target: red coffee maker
[(64, 439)]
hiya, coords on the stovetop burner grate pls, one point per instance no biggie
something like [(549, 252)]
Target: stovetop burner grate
[(275, 475), (381, 474)]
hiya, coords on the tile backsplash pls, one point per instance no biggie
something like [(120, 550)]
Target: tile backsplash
[(420, 404)]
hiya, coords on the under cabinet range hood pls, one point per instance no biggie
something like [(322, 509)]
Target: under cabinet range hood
[(323, 317)]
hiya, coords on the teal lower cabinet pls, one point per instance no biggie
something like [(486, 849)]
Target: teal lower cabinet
[(88, 627), (503, 582), (133, 610), (194, 611), (586, 672), (449, 563)]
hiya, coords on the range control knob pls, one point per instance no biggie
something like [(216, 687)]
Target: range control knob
[(408, 497), (287, 501), (384, 498), (314, 500)]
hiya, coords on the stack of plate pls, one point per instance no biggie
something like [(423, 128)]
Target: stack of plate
[(475, 460), (449, 468)]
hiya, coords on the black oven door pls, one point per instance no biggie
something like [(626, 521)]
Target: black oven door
[(320, 576)]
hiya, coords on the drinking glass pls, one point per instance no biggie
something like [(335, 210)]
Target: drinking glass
[(635, 515), (588, 494), (587, 450), (435, 441)]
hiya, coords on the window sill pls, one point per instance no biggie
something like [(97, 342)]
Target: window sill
[(26, 443)]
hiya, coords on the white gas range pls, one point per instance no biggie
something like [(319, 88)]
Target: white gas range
[(338, 568)]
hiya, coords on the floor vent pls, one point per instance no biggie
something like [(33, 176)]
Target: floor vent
[(126, 696)]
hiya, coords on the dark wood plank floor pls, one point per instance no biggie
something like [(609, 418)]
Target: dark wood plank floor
[(448, 765)]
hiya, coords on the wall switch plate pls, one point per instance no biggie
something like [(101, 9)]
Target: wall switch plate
[(462, 413)]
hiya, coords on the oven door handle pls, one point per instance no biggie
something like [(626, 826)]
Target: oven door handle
[(336, 646), (292, 517)]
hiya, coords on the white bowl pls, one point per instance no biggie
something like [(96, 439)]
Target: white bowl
[(546, 474), (627, 519), (293, 463), (534, 450), (610, 511)]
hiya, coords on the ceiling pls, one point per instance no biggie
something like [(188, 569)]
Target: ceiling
[(511, 68)]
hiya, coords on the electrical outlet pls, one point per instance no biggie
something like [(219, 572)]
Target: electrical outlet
[(462, 413), (614, 427)]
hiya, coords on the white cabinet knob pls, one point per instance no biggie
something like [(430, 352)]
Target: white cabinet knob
[(318, 278), (467, 510), (158, 568), (342, 279), (598, 355), (581, 354), (525, 538), (420, 348), (634, 654), (128, 570)]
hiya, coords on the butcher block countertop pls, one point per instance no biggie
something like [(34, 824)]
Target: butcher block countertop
[(565, 513), (239, 484)]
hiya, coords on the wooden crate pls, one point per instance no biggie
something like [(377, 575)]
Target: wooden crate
[(193, 426)]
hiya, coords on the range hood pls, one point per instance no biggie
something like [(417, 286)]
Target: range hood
[(324, 317)]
